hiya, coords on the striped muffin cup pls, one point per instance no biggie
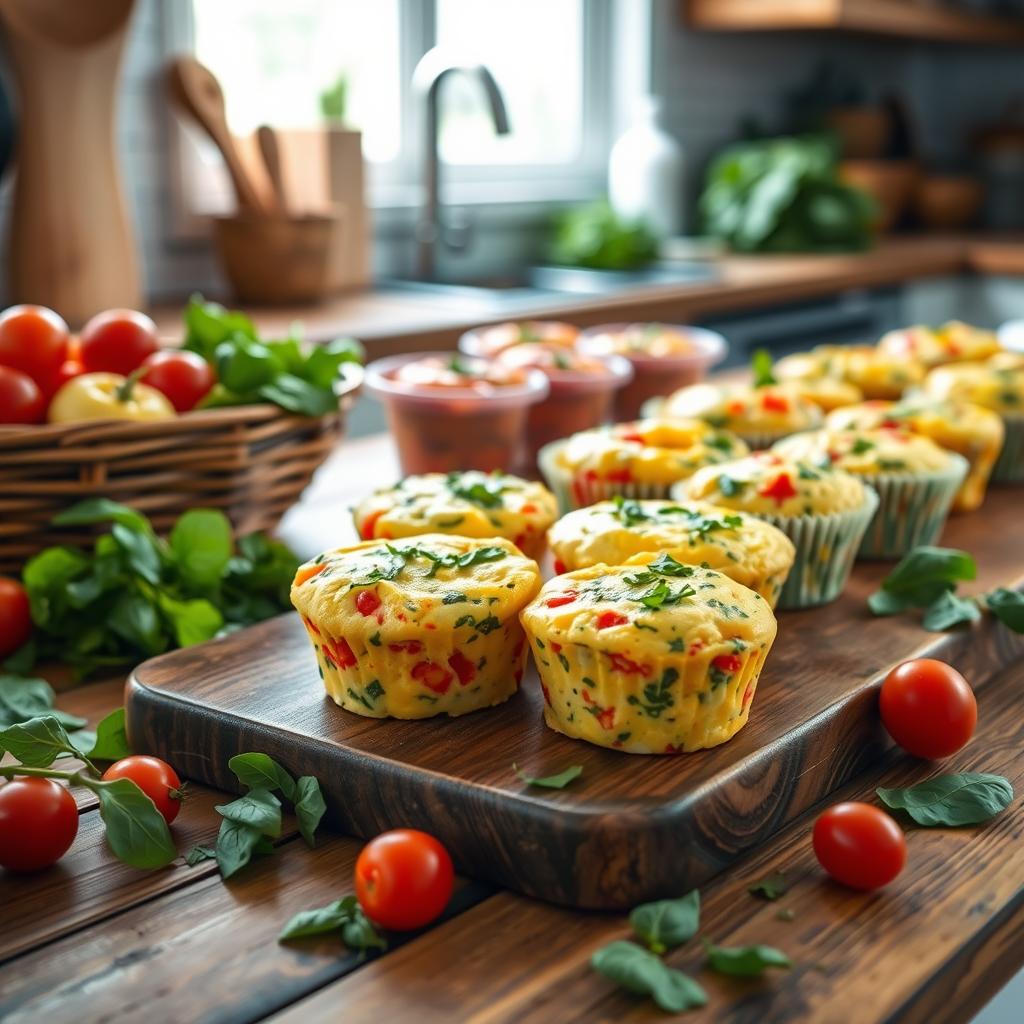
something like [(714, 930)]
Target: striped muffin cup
[(573, 492), (705, 711), (912, 509), (1009, 467)]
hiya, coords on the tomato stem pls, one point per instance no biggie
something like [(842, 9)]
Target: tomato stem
[(78, 777)]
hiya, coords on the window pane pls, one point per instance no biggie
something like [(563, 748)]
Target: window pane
[(534, 48), (274, 58)]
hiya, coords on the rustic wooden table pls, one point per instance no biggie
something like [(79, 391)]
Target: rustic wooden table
[(92, 939)]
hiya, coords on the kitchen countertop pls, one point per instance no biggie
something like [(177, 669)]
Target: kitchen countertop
[(394, 321)]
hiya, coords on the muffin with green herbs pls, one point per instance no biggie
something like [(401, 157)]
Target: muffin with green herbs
[(915, 479), (822, 510)]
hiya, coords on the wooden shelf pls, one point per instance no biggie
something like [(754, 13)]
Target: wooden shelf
[(907, 19)]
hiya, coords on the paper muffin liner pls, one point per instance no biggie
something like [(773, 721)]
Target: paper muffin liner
[(1009, 467), (374, 677), (687, 702), (759, 440), (826, 546), (573, 492), (912, 509)]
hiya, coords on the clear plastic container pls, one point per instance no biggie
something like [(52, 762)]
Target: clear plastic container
[(489, 341), (655, 373), (441, 429)]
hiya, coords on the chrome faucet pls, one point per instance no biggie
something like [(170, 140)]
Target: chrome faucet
[(430, 72)]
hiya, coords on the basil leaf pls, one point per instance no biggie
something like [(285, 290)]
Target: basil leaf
[(261, 771), (136, 830), (1008, 607), (309, 807), (198, 854), (882, 602), (667, 923), (761, 366), (111, 738), (259, 809), (46, 578), (745, 961), (135, 619), (322, 367), (948, 611), (952, 800), (207, 324), (24, 698), (771, 887), (316, 922), (236, 843), (101, 510), (359, 932), (557, 781), (194, 621), (201, 543), (637, 970), (244, 365), (299, 396), (141, 550), (36, 743), (924, 575)]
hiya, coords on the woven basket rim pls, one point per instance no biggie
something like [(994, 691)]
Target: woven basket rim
[(228, 416)]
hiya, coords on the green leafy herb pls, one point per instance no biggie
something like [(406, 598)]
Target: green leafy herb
[(38, 742), (949, 610), (558, 781), (657, 696), (921, 578), (198, 854), (136, 830), (346, 916), (630, 512), (259, 809), (485, 491), (1007, 606), (261, 771), (136, 595), (663, 565), (952, 800), (771, 887), (761, 366), (593, 235), (662, 595), (729, 486), (745, 961), (640, 971), (23, 698), (861, 446), (665, 924), (111, 742), (309, 807)]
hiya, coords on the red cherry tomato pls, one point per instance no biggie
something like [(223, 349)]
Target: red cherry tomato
[(183, 377), (928, 707), (15, 617), (117, 341), (38, 823), (156, 778), (404, 879), (67, 370), (859, 845), (21, 401), (33, 339)]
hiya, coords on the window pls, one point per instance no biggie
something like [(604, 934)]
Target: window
[(549, 57)]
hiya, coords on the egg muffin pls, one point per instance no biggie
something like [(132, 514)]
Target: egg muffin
[(624, 531), (470, 504), (759, 416), (953, 342), (650, 659), (916, 481), (806, 374), (970, 430), (997, 384), (822, 510), (876, 374), (413, 629), (641, 459)]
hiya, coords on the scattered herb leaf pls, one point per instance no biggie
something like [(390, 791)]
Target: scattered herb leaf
[(558, 781), (952, 800)]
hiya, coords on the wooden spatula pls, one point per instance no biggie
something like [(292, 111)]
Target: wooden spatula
[(196, 91)]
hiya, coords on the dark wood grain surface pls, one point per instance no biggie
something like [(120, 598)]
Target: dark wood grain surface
[(632, 827)]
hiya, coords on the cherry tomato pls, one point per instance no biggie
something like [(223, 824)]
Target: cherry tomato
[(33, 339), (38, 823), (67, 370), (117, 341), (21, 401), (15, 617), (156, 778), (928, 707), (404, 879), (183, 377), (859, 845)]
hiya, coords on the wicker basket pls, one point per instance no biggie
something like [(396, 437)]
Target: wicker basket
[(252, 462)]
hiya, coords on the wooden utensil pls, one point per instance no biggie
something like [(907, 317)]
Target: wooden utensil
[(271, 151), (71, 243), (196, 90)]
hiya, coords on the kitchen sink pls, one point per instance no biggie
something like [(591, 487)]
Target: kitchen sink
[(533, 287)]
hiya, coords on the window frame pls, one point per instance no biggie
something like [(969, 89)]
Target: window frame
[(394, 188)]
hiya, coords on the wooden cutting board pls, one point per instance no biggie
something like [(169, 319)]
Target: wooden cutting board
[(630, 828)]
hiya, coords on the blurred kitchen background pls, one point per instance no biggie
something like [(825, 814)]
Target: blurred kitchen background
[(716, 126)]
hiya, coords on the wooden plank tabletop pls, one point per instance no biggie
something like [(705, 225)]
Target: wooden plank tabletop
[(92, 939)]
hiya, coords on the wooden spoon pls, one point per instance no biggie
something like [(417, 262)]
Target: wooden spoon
[(270, 148), (196, 90)]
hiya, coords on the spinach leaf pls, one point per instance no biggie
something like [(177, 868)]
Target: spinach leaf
[(261, 771), (640, 971), (558, 781), (771, 887), (309, 807), (745, 961), (921, 578), (1007, 606), (201, 543), (667, 923), (952, 800), (949, 610)]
